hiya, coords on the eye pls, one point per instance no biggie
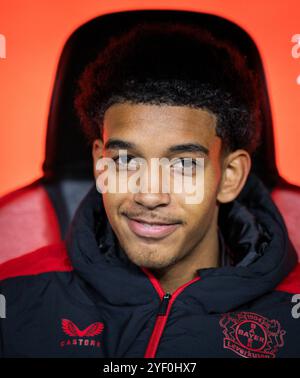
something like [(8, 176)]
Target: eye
[(184, 166), (126, 162)]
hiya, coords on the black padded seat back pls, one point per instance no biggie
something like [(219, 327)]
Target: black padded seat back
[(65, 195)]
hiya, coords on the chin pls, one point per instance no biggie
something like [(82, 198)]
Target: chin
[(151, 259)]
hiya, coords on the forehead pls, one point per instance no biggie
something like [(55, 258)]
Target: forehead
[(160, 125)]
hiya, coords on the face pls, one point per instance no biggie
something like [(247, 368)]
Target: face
[(156, 230)]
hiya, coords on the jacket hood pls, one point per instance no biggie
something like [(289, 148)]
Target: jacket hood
[(252, 233)]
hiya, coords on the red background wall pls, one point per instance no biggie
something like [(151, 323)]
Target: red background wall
[(35, 34)]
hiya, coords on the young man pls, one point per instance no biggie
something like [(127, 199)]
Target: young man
[(145, 273)]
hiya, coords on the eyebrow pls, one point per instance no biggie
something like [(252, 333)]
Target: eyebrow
[(113, 144), (189, 147)]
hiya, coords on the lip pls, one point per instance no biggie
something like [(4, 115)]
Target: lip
[(150, 229)]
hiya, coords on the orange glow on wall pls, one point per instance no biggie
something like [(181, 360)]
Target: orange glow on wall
[(36, 31)]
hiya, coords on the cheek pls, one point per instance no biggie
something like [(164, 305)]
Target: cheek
[(197, 214), (212, 177), (202, 190), (112, 204)]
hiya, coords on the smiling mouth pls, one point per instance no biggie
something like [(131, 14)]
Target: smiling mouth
[(151, 229)]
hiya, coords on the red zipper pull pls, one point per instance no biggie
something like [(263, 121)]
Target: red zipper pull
[(164, 304)]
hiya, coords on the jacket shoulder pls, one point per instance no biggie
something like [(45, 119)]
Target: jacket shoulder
[(50, 258), (291, 283)]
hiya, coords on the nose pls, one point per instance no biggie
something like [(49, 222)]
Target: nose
[(152, 200), (154, 195)]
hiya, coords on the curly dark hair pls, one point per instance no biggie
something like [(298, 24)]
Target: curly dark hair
[(173, 64)]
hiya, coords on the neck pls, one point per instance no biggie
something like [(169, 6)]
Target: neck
[(205, 255)]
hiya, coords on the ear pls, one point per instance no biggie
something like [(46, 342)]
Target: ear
[(97, 152), (236, 168)]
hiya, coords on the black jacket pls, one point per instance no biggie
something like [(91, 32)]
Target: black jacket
[(84, 298)]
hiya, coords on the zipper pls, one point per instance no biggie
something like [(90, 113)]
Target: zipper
[(167, 300), (164, 304)]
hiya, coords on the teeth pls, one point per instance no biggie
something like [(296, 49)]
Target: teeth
[(151, 225), (148, 225)]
